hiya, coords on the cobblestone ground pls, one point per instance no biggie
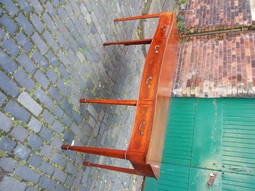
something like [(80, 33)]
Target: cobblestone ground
[(51, 56)]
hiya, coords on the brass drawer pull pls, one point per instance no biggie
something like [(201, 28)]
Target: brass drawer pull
[(147, 82), (156, 49), (140, 126), (164, 27)]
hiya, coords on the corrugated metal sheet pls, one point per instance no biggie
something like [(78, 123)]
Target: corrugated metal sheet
[(174, 178), (209, 135), (238, 149), (237, 182), (179, 135)]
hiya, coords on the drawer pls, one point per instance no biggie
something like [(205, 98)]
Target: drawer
[(151, 71), (142, 128), (163, 27), (162, 31)]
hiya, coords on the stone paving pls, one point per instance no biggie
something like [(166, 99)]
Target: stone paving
[(51, 56)]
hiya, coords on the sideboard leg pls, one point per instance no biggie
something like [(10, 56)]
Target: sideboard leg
[(121, 154), (112, 102), (155, 15), (119, 169), (130, 42)]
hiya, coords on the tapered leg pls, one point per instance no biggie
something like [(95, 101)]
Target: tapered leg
[(121, 154), (112, 102), (119, 169), (130, 42), (155, 15)]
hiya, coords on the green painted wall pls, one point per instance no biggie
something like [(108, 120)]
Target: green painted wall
[(205, 136)]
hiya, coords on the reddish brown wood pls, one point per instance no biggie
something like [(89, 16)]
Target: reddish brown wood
[(156, 87), (155, 15), (112, 102), (147, 140), (119, 169), (129, 42), (97, 151)]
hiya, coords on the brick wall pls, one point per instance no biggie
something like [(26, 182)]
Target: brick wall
[(217, 66), (207, 15)]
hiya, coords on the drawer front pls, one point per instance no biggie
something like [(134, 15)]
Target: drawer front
[(150, 77), (164, 27), (162, 31), (142, 128)]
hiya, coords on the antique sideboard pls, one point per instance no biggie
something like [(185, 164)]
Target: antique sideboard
[(147, 140)]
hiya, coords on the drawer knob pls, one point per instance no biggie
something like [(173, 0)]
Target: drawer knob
[(156, 49), (140, 126), (164, 27), (147, 82)]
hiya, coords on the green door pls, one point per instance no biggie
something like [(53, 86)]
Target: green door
[(207, 136)]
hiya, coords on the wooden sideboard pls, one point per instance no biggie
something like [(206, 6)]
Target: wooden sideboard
[(147, 140)]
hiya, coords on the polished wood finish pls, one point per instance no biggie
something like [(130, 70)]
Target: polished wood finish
[(155, 15), (129, 42), (111, 102), (119, 169), (165, 86), (159, 68), (121, 154), (147, 140)]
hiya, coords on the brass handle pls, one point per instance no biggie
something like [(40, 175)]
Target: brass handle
[(156, 49), (164, 27), (147, 82), (140, 126)]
